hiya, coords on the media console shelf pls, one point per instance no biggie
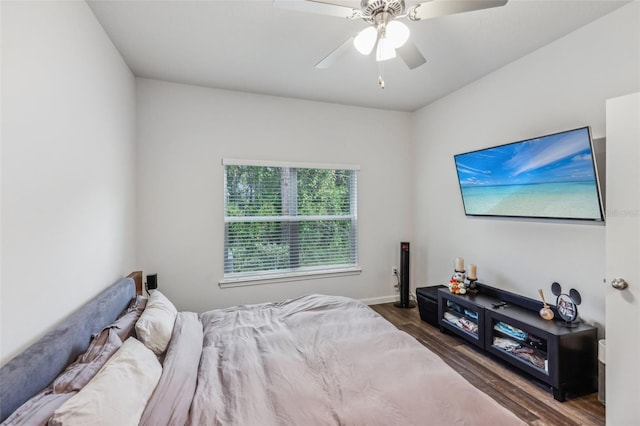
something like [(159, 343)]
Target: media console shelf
[(464, 316), (508, 326)]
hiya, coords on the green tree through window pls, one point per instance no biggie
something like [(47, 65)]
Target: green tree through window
[(286, 219)]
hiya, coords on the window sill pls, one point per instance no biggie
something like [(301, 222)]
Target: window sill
[(286, 277)]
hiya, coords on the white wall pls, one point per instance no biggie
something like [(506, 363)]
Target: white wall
[(184, 132), (68, 160), (561, 86)]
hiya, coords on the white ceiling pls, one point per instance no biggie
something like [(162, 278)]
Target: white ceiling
[(255, 47)]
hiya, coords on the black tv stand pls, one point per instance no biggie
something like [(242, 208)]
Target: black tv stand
[(507, 326)]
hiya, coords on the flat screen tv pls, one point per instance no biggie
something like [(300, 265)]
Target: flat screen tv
[(550, 177)]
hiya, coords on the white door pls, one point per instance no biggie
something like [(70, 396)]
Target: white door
[(623, 260)]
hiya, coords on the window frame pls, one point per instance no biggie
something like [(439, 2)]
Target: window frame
[(265, 277)]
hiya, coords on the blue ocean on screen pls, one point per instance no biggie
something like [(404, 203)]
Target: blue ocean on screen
[(548, 177), (554, 200)]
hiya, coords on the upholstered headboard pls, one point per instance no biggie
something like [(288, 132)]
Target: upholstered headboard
[(36, 367)]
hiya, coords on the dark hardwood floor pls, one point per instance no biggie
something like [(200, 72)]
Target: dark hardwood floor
[(528, 399)]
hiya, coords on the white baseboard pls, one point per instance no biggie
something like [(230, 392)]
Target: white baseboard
[(379, 300)]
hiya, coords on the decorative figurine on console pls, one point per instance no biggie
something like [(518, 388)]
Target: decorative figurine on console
[(456, 283)]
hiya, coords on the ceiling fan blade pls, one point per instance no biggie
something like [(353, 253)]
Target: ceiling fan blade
[(436, 8), (353, 4), (411, 55), (317, 7), (336, 54)]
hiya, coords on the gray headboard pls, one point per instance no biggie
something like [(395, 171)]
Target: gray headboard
[(36, 367)]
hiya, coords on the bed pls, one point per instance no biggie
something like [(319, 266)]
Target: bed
[(313, 360)]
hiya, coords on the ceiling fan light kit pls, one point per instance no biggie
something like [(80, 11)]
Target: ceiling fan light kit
[(386, 33), (385, 50), (397, 33), (365, 40)]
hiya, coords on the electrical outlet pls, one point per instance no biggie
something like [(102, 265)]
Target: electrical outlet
[(394, 271)]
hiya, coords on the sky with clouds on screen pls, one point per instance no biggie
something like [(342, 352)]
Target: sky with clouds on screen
[(561, 157)]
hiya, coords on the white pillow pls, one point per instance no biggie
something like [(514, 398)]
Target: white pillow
[(155, 325), (118, 393)]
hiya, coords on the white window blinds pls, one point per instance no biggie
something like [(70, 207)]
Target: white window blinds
[(284, 218)]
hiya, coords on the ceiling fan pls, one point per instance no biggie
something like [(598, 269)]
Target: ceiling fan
[(386, 33)]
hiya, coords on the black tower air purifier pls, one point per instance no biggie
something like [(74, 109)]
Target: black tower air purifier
[(404, 278)]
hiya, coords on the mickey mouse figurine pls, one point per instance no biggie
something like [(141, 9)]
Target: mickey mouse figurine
[(567, 304)]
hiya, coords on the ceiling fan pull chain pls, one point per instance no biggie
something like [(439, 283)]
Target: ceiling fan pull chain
[(380, 79)]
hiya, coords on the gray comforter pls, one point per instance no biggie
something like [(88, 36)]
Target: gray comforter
[(321, 360)]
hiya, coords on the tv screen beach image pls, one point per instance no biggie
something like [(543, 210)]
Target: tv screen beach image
[(548, 177)]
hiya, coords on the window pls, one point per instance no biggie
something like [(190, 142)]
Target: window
[(284, 220)]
